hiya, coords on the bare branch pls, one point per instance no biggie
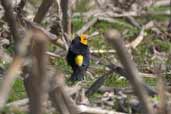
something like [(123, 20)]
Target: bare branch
[(52, 54), (133, 22), (21, 50), (87, 26), (40, 31), (14, 70), (9, 79), (114, 38), (60, 99), (65, 31), (97, 84), (162, 3), (138, 40), (36, 83), (58, 102), (44, 7), (66, 15), (18, 103), (112, 14), (92, 110), (11, 18)]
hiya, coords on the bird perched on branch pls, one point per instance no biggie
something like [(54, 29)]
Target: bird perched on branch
[(78, 57)]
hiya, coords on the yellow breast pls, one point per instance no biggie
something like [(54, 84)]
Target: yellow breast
[(79, 60)]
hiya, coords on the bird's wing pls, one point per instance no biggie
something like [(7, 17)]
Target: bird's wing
[(86, 58)]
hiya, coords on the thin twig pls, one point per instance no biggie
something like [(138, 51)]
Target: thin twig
[(138, 40), (86, 26), (60, 13), (133, 22)]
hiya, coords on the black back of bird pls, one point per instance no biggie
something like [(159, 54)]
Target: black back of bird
[(77, 48)]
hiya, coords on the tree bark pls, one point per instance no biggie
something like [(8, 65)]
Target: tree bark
[(66, 16), (44, 7)]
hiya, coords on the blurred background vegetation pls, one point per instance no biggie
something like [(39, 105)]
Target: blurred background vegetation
[(143, 55)]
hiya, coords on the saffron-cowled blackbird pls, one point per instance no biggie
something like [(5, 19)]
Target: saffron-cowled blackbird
[(78, 57)]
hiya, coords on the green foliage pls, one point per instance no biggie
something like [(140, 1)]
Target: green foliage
[(142, 53), (151, 81), (159, 9), (17, 91), (158, 17), (118, 24), (82, 5), (62, 64), (94, 97), (35, 2), (52, 48), (77, 23), (114, 81), (164, 45), (10, 49)]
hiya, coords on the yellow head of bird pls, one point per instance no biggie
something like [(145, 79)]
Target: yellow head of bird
[(79, 60), (83, 39)]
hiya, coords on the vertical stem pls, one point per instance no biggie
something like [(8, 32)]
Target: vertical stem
[(66, 16)]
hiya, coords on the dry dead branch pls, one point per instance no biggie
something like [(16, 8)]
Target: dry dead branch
[(21, 50), (11, 19), (101, 51), (65, 28), (18, 103), (52, 54), (93, 34), (60, 99), (161, 3), (36, 83), (44, 7), (40, 31), (107, 19), (92, 110), (114, 38), (82, 109), (133, 22), (138, 40), (87, 26), (119, 70), (12, 73), (66, 15), (98, 13), (97, 84)]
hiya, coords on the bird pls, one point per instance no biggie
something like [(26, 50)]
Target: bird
[(78, 57)]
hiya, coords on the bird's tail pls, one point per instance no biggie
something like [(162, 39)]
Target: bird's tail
[(77, 75)]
